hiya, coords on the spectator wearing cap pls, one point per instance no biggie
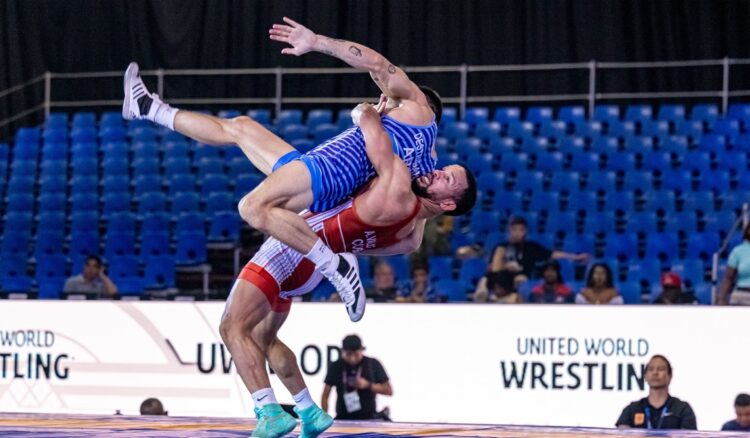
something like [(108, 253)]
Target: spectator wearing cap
[(742, 410), (737, 274), (552, 289), (672, 292), (659, 410), (152, 406), (517, 259), (357, 379), (600, 288)]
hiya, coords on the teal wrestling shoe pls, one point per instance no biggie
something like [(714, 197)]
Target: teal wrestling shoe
[(273, 422), (314, 421)]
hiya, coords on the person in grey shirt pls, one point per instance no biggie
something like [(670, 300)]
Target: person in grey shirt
[(91, 280)]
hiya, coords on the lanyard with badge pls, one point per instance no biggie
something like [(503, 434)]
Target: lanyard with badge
[(662, 412), (351, 398)]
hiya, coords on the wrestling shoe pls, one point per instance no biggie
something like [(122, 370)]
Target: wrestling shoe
[(347, 283), (139, 103), (314, 421), (273, 422)]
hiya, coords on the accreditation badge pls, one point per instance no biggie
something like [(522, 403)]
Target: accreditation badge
[(351, 401)]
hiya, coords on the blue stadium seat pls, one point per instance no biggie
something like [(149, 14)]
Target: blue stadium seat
[(145, 150), (84, 243), (55, 150), (84, 134), (579, 243), (318, 117), (56, 120), (155, 223), (631, 292), (244, 184), (675, 179), (112, 150), (507, 115), (14, 244), (570, 181), (581, 201), (703, 293), (529, 181), (657, 161), (620, 246), (191, 248), (735, 161), (115, 203), (605, 113), (663, 201), (324, 132), (716, 180), (619, 201), (641, 145), (20, 202), (671, 113), (18, 222), (225, 227), (175, 149), (454, 291), (288, 117), (655, 128), (118, 244), (514, 163), (201, 151), (703, 246), (549, 161), (214, 183), (115, 184), (507, 202), (262, 116), (644, 272), (121, 223), (450, 114), (146, 166), (621, 130), (113, 133), (154, 243), (584, 162), (561, 223), (152, 202), (115, 166), (220, 202), (695, 160), (621, 162), (538, 145), (53, 184), (476, 115), (698, 201), (58, 168), (605, 145), (85, 166), (291, 132), (484, 222), (50, 276), (147, 183), (471, 271), (502, 146), (733, 200), (544, 201), (456, 131), (159, 272), (674, 144), (521, 130), (52, 202), (111, 118), (51, 221), (84, 119), (488, 131), (210, 165), (13, 275), (480, 163), (571, 144), (643, 222), (441, 268), (599, 222), (684, 222), (554, 129), (190, 222), (84, 220), (539, 114), (638, 113), (692, 271), (739, 111), (601, 181), (123, 267), (706, 112), (690, 129), (721, 223), (571, 114), (21, 183), (177, 165), (143, 133), (228, 114), (662, 246), (468, 146), (713, 142)]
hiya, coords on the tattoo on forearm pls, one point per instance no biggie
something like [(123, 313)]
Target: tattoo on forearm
[(391, 69), (354, 50)]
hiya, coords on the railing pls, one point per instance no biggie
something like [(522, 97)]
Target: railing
[(589, 91)]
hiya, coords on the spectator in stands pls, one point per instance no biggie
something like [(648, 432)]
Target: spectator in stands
[(517, 259), (152, 406), (672, 292), (659, 410), (497, 293), (742, 409), (600, 288), (437, 238), (552, 289), (737, 274), (357, 379), (91, 280), (384, 289), (418, 289)]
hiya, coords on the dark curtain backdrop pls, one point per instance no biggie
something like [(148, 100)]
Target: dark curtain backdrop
[(95, 35)]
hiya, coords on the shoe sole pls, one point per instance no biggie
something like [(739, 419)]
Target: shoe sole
[(330, 423), (130, 73)]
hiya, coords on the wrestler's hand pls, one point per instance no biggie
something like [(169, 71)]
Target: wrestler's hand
[(363, 110), (298, 36)]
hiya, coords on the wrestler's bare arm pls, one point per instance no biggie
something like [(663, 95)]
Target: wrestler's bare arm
[(389, 78)]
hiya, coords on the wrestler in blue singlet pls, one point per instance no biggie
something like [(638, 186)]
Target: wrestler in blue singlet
[(340, 166)]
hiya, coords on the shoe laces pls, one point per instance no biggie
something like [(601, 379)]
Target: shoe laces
[(343, 287)]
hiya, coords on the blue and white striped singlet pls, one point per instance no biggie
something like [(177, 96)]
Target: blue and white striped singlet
[(340, 166)]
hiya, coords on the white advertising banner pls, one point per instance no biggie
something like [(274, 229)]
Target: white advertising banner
[(524, 364)]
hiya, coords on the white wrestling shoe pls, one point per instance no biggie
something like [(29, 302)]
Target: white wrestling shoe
[(349, 286), (138, 101)]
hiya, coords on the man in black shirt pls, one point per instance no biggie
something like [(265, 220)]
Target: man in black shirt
[(518, 259), (671, 291), (742, 409), (659, 410), (357, 379)]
